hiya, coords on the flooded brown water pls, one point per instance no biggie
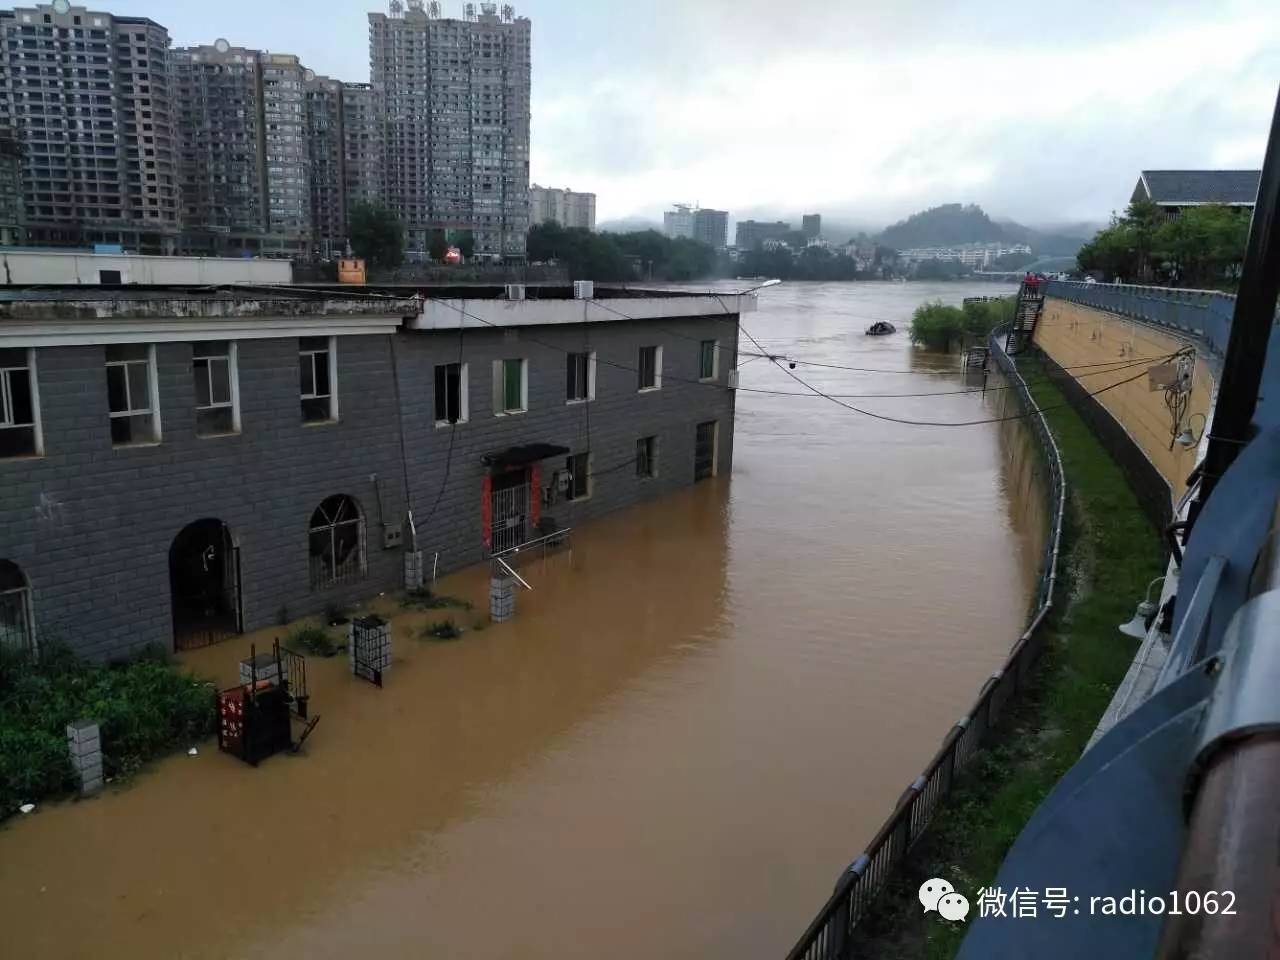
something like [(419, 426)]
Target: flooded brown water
[(695, 721)]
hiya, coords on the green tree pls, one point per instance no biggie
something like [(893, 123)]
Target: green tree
[(376, 235), (1204, 246), (936, 326), (466, 244), (437, 246)]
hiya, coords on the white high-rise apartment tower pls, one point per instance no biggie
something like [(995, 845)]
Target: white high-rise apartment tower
[(457, 99)]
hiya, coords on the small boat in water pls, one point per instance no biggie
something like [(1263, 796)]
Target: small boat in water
[(881, 328)]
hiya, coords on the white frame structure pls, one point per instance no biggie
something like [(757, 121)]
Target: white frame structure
[(500, 408), (7, 406), (464, 394), (18, 599), (345, 514), (203, 350), (657, 369), (590, 395), (715, 361), (331, 349), (651, 456), (152, 391)]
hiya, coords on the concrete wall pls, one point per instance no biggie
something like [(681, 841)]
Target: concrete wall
[(43, 266), (1075, 336), (91, 525)]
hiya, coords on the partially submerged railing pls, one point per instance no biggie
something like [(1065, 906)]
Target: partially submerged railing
[(827, 937)]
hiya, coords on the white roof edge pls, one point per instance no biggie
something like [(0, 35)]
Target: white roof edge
[(83, 332), (451, 313)]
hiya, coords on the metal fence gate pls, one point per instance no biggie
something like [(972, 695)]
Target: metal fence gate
[(509, 502), (704, 451)]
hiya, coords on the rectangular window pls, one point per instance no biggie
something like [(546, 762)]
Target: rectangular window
[(647, 457), (578, 467), (19, 407), (708, 360), (650, 368), (451, 393), (132, 394), (510, 386), (580, 377), (109, 277), (318, 370), (213, 366)]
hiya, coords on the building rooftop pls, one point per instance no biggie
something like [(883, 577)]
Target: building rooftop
[(1189, 187)]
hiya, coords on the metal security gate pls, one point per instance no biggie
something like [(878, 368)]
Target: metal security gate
[(509, 510), (704, 451), (204, 578)]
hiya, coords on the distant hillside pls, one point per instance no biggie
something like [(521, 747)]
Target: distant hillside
[(944, 226), (953, 223)]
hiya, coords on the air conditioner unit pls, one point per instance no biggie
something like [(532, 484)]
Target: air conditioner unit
[(515, 291), (584, 290), (733, 379)]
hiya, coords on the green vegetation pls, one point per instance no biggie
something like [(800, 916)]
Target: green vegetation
[(644, 255), (376, 234), (312, 639), (423, 598), (936, 326), (813, 263), (437, 245), (1111, 553), (441, 630), (144, 708), (1201, 247)]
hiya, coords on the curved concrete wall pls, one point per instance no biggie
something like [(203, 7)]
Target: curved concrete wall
[(1079, 338)]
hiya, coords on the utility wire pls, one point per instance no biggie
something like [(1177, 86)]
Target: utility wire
[(936, 423)]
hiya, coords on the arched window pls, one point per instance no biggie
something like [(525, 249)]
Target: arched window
[(337, 542), (17, 631)]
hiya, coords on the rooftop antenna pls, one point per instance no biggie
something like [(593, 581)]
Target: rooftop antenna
[(433, 9), (396, 8), (508, 13)]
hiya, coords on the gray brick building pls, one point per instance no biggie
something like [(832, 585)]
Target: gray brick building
[(179, 467)]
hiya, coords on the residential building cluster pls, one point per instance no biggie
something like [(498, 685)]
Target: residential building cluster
[(969, 254), (697, 223), (569, 208), (119, 138)]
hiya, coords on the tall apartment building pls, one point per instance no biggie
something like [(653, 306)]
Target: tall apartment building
[(752, 233), (244, 166), (364, 133), (88, 97), (678, 221), (811, 225), (457, 96), (12, 216), (327, 153), (711, 227), (568, 208)]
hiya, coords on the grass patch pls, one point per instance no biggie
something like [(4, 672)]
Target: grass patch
[(1110, 554), (313, 640), (441, 630), (423, 598), (145, 708)]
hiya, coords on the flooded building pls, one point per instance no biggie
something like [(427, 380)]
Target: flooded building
[(180, 465)]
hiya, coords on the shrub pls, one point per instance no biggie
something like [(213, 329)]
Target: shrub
[(313, 639), (424, 599), (441, 630), (144, 708)]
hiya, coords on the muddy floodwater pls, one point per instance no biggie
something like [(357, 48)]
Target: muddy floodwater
[(697, 718)]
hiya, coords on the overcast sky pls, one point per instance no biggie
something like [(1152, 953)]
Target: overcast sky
[(861, 109)]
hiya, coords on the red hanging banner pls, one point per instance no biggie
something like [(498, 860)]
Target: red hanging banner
[(486, 510), (535, 496)]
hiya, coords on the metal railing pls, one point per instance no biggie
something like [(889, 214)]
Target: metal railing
[(1204, 314), (828, 936)]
